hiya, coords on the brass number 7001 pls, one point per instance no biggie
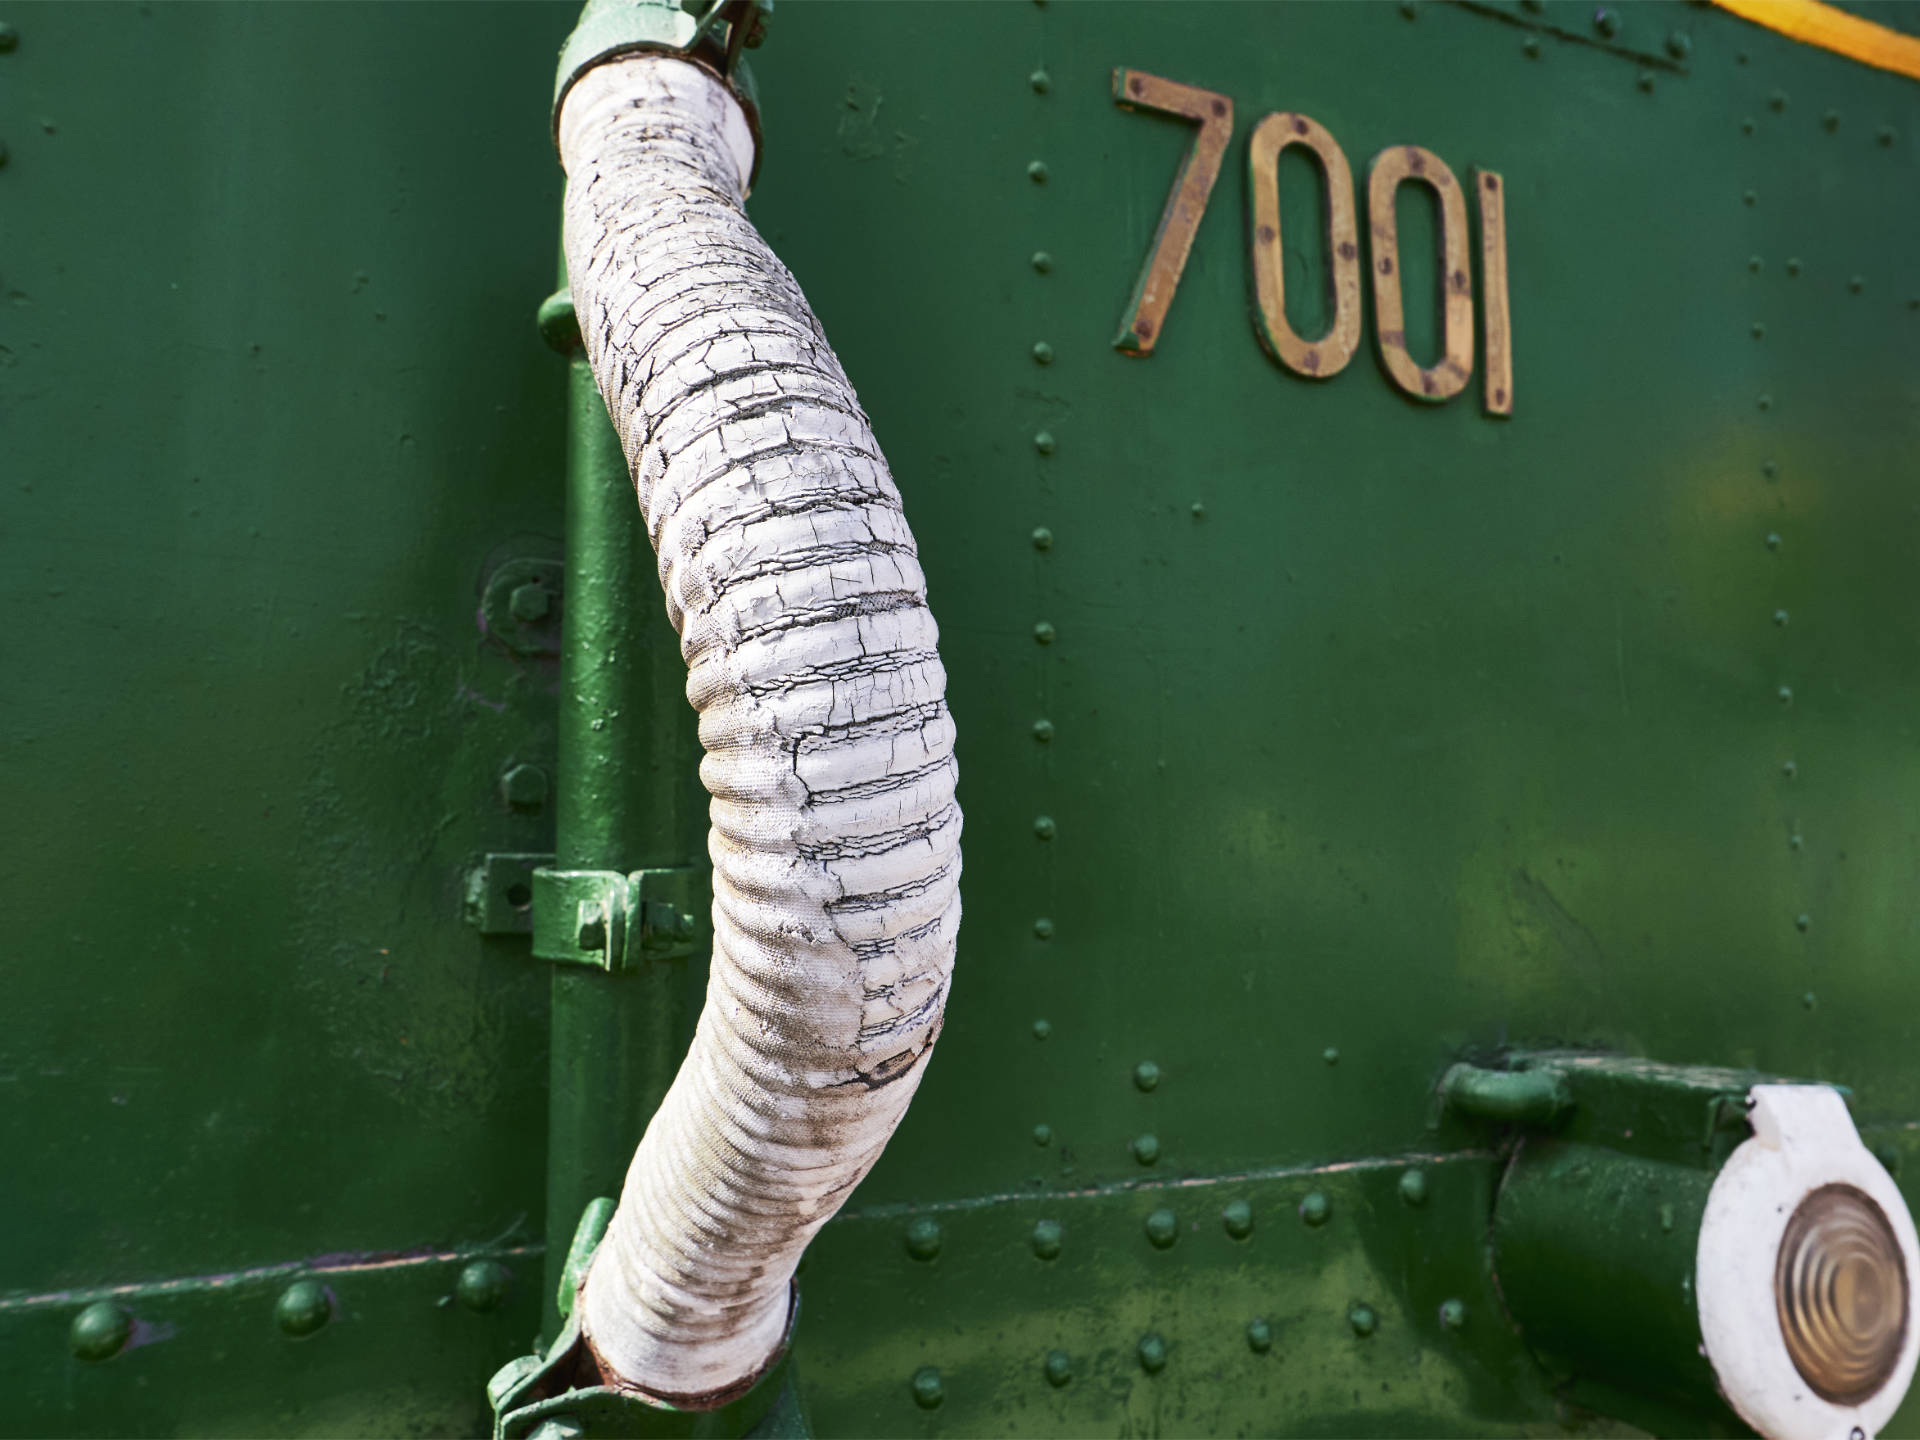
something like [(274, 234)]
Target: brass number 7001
[(1397, 164)]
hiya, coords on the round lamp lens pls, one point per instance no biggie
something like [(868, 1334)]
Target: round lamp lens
[(1840, 1285)]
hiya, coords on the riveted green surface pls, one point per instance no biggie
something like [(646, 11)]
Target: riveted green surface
[(1377, 735)]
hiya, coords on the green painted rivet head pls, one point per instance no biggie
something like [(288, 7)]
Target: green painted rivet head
[(1645, 81), (4, 153), (1043, 442), (1751, 197), (530, 602), (1747, 127), (1047, 1235), (1043, 826), (1408, 10), (1830, 121), (1237, 1218), (1607, 22), (1530, 47), (100, 1331), (1199, 511), (1259, 1336), (1780, 618), (1042, 538), (923, 1238), (1784, 694), (9, 38), (1041, 82), (928, 1391), (1043, 1135), (1777, 101), (1041, 1029), (1765, 402), (1059, 1368), (1413, 1187), (1043, 928), (1363, 1320), (1794, 841), (1453, 1314), (524, 787), (557, 323), (1773, 540), (1886, 135), (1789, 769), (1042, 353), (1679, 45), (482, 1285), (1146, 1075), (1042, 261), (1793, 265), (1153, 1354), (1857, 284), (1043, 632), (1146, 1148), (1043, 730), (1802, 922), (1770, 468), (1315, 1209), (1759, 330), (303, 1307), (1330, 1055), (1163, 1229), (1809, 1001), (1037, 172)]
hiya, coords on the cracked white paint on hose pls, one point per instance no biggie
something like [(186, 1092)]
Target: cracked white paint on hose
[(792, 578)]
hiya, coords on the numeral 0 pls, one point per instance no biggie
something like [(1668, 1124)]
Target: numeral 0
[(1391, 168)]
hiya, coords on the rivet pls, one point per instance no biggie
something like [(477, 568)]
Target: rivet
[(1678, 45), (1046, 1239), (1331, 1055), (1754, 263), (1765, 402), (1042, 261), (1363, 1320), (530, 602), (928, 1392), (556, 321), (1408, 10), (1809, 1000), (1830, 121), (1043, 732), (9, 38), (1789, 769), (1259, 1336), (1146, 1075), (1770, 468), (1453, 1314), (1037, 172), (1413, 1187), (1043, 1135), (482, 1285), (1606, 22), (1773, 540), (1784, 694), (1059, 1368), (3, 152), (923, 1238), (1146, 1148), (1043, 928), (1886, 135), (1802, 922), (1752, 197), (1153, 1354), (1780, 618), (1646, 81), (1530, 47), (303, 1307), (1042, 353), (1163, 1229), (100, 1331), (1043, 442), (1857, 284), (1237, 1218), (524, 787), (1315, 1209), (1759, 330), (1793, 265), (1795, 841), (1739, 57), (1199, 511), (1666, 1219), (1042, 538), (1746, 126), (1043, 632), (1777, 101), (1041, 1029), (1043, 826), (1040, 81)]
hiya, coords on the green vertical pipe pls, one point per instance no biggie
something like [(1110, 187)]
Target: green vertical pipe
[(616, 1039)]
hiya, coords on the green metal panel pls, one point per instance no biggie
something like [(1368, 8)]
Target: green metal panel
[(1377, 734)]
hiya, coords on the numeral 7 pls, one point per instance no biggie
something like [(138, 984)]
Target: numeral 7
[(1192, 185)]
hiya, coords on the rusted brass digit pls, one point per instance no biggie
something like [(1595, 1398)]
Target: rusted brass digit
[(1495, 323), (1329, 354), (1449, 377), (1147, 312)]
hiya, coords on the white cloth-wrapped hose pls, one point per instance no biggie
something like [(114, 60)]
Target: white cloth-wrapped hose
[(792, 578)]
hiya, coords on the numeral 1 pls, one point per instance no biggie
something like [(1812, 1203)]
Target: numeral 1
[(1391, 167), (1328, 355), (1186, 202), (1495, 322)]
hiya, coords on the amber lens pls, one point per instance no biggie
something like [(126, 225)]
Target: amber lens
[(1841, 1287)]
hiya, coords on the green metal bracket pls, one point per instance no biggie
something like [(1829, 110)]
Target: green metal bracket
[(613, 921)]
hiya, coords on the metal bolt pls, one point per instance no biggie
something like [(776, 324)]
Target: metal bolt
[(1040, 81), (1162, 1229), (1796, 841), (1043, 928), (1646, 81), (1043, 633), (1042, 261), (1047, 1235), (1530, 47), (1042, 538), (1413, 1187), (530, 602), (1146, 1075), (1042, 353), (1801, 922), (1780, 618), (1453, 1314), (1773, 540), (482, 1285), (923, 1238), (1330, 1055), (1037, 172), (1315, 1209), (1041, 1029), (9, 38), (1043, 1135), (100, 1331), (1789, 769), (1043, 826), (1259, 1336), (1777, 101), (1043, 730), (1793, 265), (524, 787), (1830, 121), (1153, 1354), (303, 1307), (1809, 1000), (1606, 22), (928, 1392), (1043, 442), (1678, 45), (1237, 1218), (1785, 694), (1059, 1368), (1146, 1148), (1363, 1320)]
